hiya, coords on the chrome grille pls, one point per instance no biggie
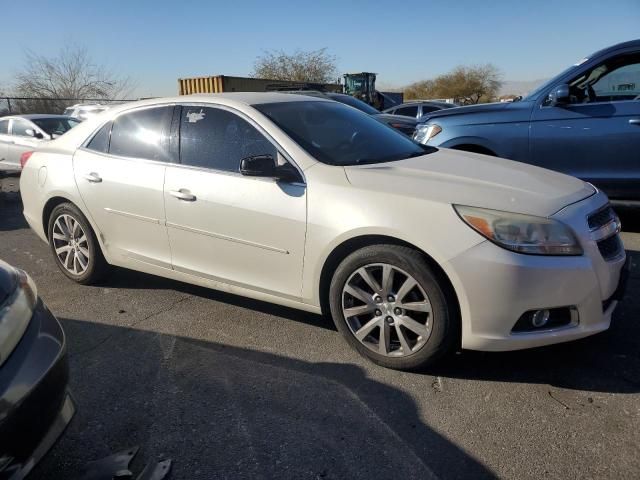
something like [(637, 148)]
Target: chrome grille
[(605, 226)]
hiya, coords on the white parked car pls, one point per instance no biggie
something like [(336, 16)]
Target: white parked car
[(315, 205), (83, 111), (23, 133)]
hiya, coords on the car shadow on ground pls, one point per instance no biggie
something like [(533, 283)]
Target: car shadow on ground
[(225, 412)]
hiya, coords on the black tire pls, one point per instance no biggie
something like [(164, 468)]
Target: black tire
[(445, 326), (97, 266)]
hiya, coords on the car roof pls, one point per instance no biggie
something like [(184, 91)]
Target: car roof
[(247, 98), (37, 116)]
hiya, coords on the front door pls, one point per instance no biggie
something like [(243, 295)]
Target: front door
[(244, 231), (21, 141), (120, 175), (596, 137)]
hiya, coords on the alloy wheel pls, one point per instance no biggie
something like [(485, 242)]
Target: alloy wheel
[(387, 310), (70, 244)]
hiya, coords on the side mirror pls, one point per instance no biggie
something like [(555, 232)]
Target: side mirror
[(559, 95), (32, 133), (266, 166), (258, 166)]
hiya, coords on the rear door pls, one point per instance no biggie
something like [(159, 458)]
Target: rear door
[(596, 137), (120, 175), (245, 231)]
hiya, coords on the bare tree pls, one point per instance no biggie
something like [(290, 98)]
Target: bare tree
[(466, 85), (70, 75), (316, 66)]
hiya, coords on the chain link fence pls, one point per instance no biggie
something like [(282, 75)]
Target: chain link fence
[(25, 105)]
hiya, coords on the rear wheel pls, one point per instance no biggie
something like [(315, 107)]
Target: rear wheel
[(391, 307), (74, 245)]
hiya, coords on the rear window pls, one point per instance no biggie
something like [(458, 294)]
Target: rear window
[(4, 127)]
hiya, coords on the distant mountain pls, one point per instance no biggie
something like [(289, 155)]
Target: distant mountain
[(520, 87)]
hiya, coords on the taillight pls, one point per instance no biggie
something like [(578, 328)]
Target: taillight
[(24, 157)]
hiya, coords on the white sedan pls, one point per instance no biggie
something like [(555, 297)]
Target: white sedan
[(312, 204)]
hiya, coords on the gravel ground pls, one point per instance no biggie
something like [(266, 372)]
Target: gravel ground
[(234, 388)]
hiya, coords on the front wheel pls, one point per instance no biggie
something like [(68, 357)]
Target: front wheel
[(392, 307)]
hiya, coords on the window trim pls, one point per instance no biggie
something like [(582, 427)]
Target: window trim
[(282, 151), (84, 145), (177, 162)]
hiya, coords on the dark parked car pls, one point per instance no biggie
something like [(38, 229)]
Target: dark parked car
[(35, 406), (584, 122), (419, 108), (405, 124)]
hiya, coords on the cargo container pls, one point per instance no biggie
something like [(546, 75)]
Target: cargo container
[(224, 83)]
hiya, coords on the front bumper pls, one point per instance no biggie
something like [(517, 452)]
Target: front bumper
[(495, 287), (35, 406)]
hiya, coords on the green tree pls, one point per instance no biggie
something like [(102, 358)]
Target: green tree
[(316, 66), (464, 84)]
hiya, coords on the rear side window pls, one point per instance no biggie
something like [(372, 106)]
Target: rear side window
[(218, 139), (408, 111), (142, 134), (4, 127), (100, 141)]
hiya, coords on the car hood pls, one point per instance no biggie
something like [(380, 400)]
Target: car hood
[(480, 108), (455, 177), (388, 118)]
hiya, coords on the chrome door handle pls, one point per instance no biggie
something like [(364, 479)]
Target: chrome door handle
[(93, 177), (634, 121), (183, 194)]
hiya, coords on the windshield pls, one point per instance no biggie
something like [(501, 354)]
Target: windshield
[(338, 135), (354, 102), (56, 126)]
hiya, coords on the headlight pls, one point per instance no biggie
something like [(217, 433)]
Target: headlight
[(16, 313), (521, 233), (424, 133)]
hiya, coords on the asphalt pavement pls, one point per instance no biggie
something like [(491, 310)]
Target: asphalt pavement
[(234, 388)]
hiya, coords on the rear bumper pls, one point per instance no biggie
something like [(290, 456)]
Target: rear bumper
[(35, 406)]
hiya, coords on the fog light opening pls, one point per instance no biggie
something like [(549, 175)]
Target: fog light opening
[(540, 318), (544, 319)]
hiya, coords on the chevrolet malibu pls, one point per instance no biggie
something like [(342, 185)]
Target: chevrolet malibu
[(312, 204)]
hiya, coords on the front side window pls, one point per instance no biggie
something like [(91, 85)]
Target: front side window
[(142, 134), (19, 128), (429, 108), (4, 127), (219, 139), (339, 135), (616, 79), (408, 111)]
